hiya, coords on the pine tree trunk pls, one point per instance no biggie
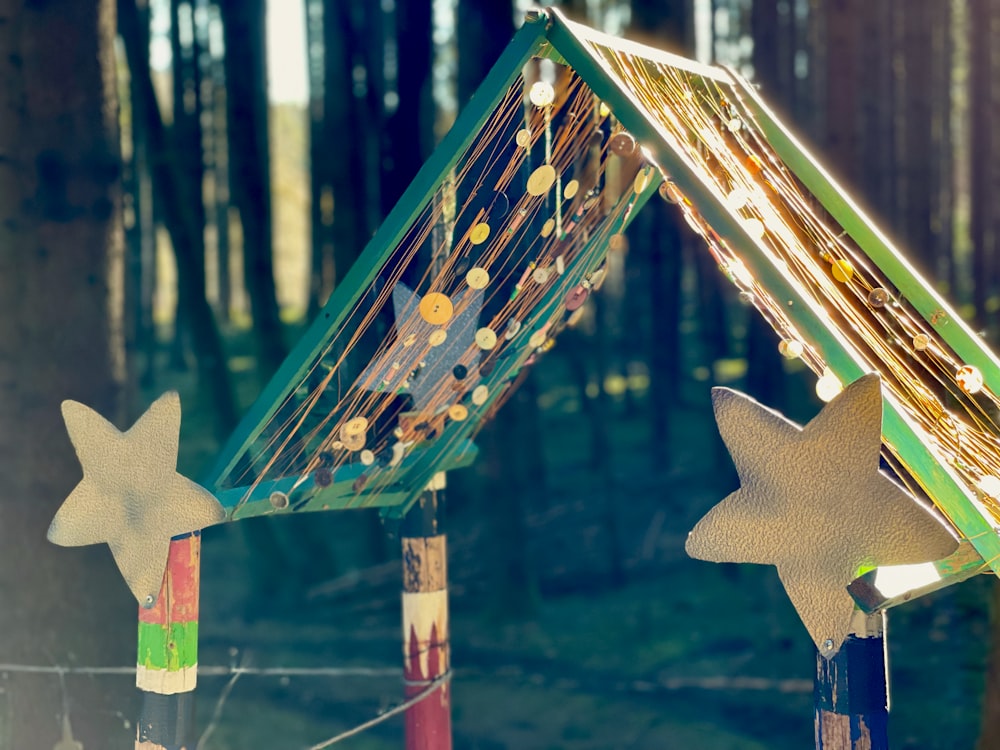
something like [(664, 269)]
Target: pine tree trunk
[(877, 112), (345, 176), (981, 138), (60, 275), (842, 142), (219, 160), (249, 161), (916, 142), (186, 150), (942, 200), (410, 128), (764, 372), (664, 26), (181, 222), (486, 31), (321, 197)]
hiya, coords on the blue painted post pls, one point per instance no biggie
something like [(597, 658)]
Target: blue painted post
[(852, 696)]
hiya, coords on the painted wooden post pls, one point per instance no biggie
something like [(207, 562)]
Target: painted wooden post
[(426, 654), (167, 664), (852, 697)]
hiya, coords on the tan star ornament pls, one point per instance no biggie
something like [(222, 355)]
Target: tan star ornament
[(813, 503), (131, 495)]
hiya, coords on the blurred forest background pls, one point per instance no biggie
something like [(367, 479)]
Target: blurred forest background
[(183, 182)]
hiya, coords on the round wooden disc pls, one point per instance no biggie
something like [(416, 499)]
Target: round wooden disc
[(542, 94), (571, 189), (548, 226), (642, 179), (354, 426), (576, 297), (479, 395), (354, 441), (458, 412), (436, 308), (541, 275), (486, 338), (523, 138), (477, 278), (541, 180), (622, 144), (537, 338), (479, 233)]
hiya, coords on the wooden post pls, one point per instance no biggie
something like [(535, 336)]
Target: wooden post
[(426, 654), (167, 664), (852, 697)]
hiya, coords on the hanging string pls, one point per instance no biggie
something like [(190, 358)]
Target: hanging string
[(304, 436), (709, 126)]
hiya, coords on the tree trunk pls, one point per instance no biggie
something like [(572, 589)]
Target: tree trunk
[(522, 474), (486, 31), (182, 224), (981, 138), (410, 128), (249, 160), (877, 111), (943, 148), (186, 150), (659, 244), (665, 25), (60, 275), (764, 372), (219, 170), (915, 142), (347, 178), (766, 60), (320, 163), (842, 142)]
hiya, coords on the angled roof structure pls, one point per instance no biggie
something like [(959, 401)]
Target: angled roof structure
[(515, 212)]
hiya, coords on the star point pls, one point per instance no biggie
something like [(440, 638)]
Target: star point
[(813, 503), (131, 496), (391, 372)]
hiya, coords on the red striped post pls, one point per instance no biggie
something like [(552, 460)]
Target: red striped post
[(426, 655), (852, 698), (167, 664)]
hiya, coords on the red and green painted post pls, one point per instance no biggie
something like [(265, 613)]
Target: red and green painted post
[(426, 653), (852, 697), (167, 663)]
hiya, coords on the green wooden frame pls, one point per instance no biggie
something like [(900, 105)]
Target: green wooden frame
[(453, 449), (528, 40), (548, 34), (971, 519)]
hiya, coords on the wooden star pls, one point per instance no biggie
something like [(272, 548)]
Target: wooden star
[(410, 366), (813, 503), (131, 495)]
